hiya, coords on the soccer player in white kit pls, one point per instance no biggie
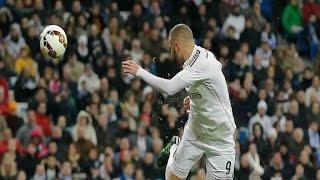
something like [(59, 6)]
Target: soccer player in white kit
[(210, 128)]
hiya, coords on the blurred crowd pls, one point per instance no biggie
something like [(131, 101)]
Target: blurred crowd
[(81, 117)]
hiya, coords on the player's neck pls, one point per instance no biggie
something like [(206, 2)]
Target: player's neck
[(188, 52)]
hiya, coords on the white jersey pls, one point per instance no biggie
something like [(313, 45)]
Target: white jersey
[(210, 115), (210, 108)]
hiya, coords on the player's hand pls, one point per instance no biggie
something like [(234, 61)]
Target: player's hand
[(130, 67), (186, 103)]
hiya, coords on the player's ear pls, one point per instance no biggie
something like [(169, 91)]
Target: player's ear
[(177, 46)]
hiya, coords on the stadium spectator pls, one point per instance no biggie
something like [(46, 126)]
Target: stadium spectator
[(254, 162), (8, 168), (291, 20), (89, 79), (24, 133), (131, 105), (25, 61), (91, 161), (21, 175), (40, 172), (267, 35), (104, 137), (65, 172), (84, 123), (311, 7), (250, 35), (136, 19), (296, 143), (141, 140), (244, 169), (4, 98), (299, 173), (235, 20), (107, 168), (95, 170), (51, 167), (37, 140), (66, 106), (76, 67), (55, 83), (127, 172), (82, 28), (73, 157), (42, 119), (261, 118), (258, 20), (14, 41), (6, 20), (83, 144), (136, 51), (313, 135), (277, 168), (313, 89), (265, 53), (279, 119), (4, 71), (25, 86), (10, 144), (82, 49)]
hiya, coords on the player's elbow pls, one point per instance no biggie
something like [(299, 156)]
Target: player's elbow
[(171, 87), (171, 92)]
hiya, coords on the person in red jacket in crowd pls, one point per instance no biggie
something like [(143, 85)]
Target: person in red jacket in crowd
[(42, 119), (6, 106), (5, 143), (4, 97), (309, 8), (37, 140), (146, 113)]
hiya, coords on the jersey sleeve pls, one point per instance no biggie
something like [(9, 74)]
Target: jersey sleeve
[(167, 86), (192, 75)]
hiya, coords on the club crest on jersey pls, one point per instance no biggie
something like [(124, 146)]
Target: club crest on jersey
[(195, 95)]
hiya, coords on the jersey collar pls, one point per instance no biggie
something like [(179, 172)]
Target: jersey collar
[(191, 56)]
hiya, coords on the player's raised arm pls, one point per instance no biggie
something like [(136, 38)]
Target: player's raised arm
[(167, 86)]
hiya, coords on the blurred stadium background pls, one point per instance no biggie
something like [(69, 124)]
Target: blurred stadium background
[(82, 118)]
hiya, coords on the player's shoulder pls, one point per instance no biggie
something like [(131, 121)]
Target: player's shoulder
[(202, 59)]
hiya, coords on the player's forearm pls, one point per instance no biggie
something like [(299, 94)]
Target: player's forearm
[(169, 87)]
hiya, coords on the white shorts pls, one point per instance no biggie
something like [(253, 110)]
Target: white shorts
[(191, 149)]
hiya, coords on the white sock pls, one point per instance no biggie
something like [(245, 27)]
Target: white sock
[(170, 161)]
